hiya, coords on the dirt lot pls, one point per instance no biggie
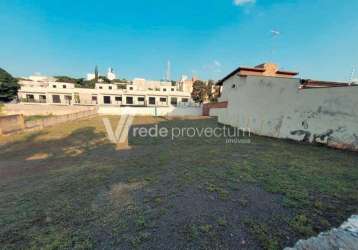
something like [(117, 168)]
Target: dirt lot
[(69, 187)]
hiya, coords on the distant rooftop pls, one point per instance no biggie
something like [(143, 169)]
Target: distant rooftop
[(265, 69)]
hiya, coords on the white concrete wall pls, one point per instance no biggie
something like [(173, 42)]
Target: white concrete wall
[(277, 107), (150, 111), (42, 109)]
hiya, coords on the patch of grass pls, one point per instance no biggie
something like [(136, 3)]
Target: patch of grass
[(140, 221), (36, 117), (243, 201), (99, 195), (206, 228), (139, 239), (222, 222), (222, 193), (191, 232), (301, 224), (263, 234)]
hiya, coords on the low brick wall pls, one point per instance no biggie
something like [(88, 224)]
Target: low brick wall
[(16, 123), (11, 123), (217, 105), (43, 109), (150, 111), (38, 124)]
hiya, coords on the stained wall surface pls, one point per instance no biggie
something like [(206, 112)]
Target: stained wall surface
[(277, 107)]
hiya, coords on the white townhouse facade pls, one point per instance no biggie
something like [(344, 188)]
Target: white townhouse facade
[(61, 93)]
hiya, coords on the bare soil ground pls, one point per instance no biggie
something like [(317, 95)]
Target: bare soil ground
[(68, 187)]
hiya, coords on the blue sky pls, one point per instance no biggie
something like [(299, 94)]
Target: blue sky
[(318, 38)]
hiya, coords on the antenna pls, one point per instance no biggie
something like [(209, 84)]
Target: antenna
[(168, 72)]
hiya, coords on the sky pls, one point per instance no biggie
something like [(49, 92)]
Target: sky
[(205, 38)]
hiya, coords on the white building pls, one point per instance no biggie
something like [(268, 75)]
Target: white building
[(110, 75), (271, 102), (90, 76), (134, 94)]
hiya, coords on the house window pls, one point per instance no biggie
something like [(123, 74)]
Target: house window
[(184, 100), (54, 86), (129, 100), (64, 86), (233, 86), (164, 90), (140, 99), (163, 99), (157, 89), (152, 100), (174, 101), (130, 88), (118, 98), (100, 87), (94, 99), (106, 99), (68, 99), (173, 89), (109, 87), (56, 99), (30, 98), (42, 98)]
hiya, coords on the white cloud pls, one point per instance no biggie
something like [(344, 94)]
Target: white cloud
[(213, 68), (243, 2), (217, 63)]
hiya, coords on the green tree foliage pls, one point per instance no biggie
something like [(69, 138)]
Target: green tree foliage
[(66, 79), (213, 91), (8, 86), (79, 82), (203, 91), (104, 79), (200, 91), (123, 80), (96, 73)]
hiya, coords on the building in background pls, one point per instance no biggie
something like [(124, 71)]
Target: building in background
[(185, 84), (90, 76), (139, 92)]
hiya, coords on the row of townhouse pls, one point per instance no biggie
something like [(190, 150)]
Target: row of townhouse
[(61, 93)]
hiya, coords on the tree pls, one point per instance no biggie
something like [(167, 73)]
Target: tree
[(66, 79), (81, 83), (123, 80), (104, 79), (200, 91), (96, 73), (213, 91), (205, 91), (8, 86)]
